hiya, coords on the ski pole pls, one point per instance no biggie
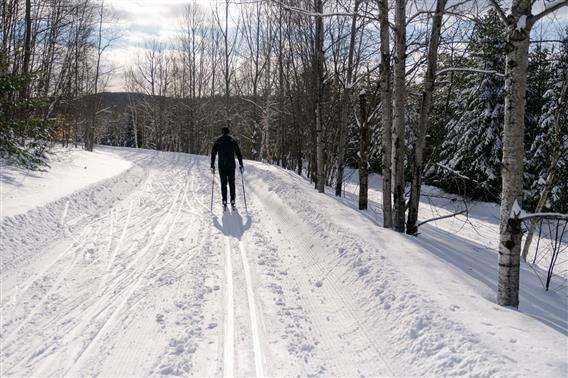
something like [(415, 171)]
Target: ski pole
[(244, 194), (212, 189)]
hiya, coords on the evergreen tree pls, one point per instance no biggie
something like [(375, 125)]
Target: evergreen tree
[(542, 148), (540, 72), (24, 133), (472, 147)]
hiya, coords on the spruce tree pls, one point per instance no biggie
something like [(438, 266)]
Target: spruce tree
[(24, 133), (542, 148), (472, 147)]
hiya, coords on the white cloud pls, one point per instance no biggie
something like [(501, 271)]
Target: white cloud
[(142, 21)]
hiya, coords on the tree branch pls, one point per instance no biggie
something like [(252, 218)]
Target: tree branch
[(308, 13), (550, 8), (442, 217), (475, 70)]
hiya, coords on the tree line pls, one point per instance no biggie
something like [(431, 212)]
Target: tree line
[(453, 93), (50, 58)]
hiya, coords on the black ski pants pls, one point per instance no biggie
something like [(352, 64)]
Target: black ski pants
[(227, 175)]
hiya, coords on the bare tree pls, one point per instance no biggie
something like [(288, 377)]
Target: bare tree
[(319, 78), (27, 46), (399, 115), (363, 152), (386, 114), (346, 102), (424, 120)]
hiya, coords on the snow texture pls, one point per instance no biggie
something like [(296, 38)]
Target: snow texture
[(140, 278), (70, 171)]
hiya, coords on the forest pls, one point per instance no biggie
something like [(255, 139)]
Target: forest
[(468, 96)]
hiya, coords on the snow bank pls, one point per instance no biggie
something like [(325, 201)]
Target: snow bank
[(37, 208), (71, 170)]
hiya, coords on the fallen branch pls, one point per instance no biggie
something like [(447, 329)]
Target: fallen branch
[(544, 216), (442, 217), (464, 69)]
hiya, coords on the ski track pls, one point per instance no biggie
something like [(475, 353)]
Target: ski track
[(113, 274), (229, 341), (158, 284), (258, 357), (329, 342)]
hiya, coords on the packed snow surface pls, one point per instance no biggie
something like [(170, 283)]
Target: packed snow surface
[(138, 277), (71, 170)]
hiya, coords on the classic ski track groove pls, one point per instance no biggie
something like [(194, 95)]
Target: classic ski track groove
[(99, 310), (74, 243), (258, 355), (29, 283), (132, 255), (8, 340), (284, 218), (324, 336), (229, 340), (139, 278)]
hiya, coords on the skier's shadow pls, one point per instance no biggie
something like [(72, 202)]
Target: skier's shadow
[(232, 224)]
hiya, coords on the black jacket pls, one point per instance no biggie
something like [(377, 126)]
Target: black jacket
[(227, 147)]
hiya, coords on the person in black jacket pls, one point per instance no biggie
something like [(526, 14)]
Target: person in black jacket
[(226, 147)]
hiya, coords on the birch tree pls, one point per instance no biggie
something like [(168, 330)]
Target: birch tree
[(519, 23)]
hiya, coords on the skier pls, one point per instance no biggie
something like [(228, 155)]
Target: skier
[(227, 147)]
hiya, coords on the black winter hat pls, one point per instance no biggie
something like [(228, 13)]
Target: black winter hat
[(225, 130)]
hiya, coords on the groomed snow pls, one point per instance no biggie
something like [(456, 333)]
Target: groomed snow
[(140, 278), (71, 170)]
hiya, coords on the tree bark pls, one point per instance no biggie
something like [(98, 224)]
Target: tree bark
[(386, 116), (91, 124), (363, 152), (319, 56), (517, 47), (227, 77), (346, 105), (399, 114), (27, 47), (424, 120)]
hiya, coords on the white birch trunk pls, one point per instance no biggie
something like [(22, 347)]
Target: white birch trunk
[(517, 48)]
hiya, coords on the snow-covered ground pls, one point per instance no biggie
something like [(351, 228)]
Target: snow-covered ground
[(70, 171), (135, 276)]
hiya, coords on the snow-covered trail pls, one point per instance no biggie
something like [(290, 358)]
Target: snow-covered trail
[(154, 283), (157, 284), (110, 289)]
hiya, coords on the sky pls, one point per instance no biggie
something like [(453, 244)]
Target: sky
[(141, 21)]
